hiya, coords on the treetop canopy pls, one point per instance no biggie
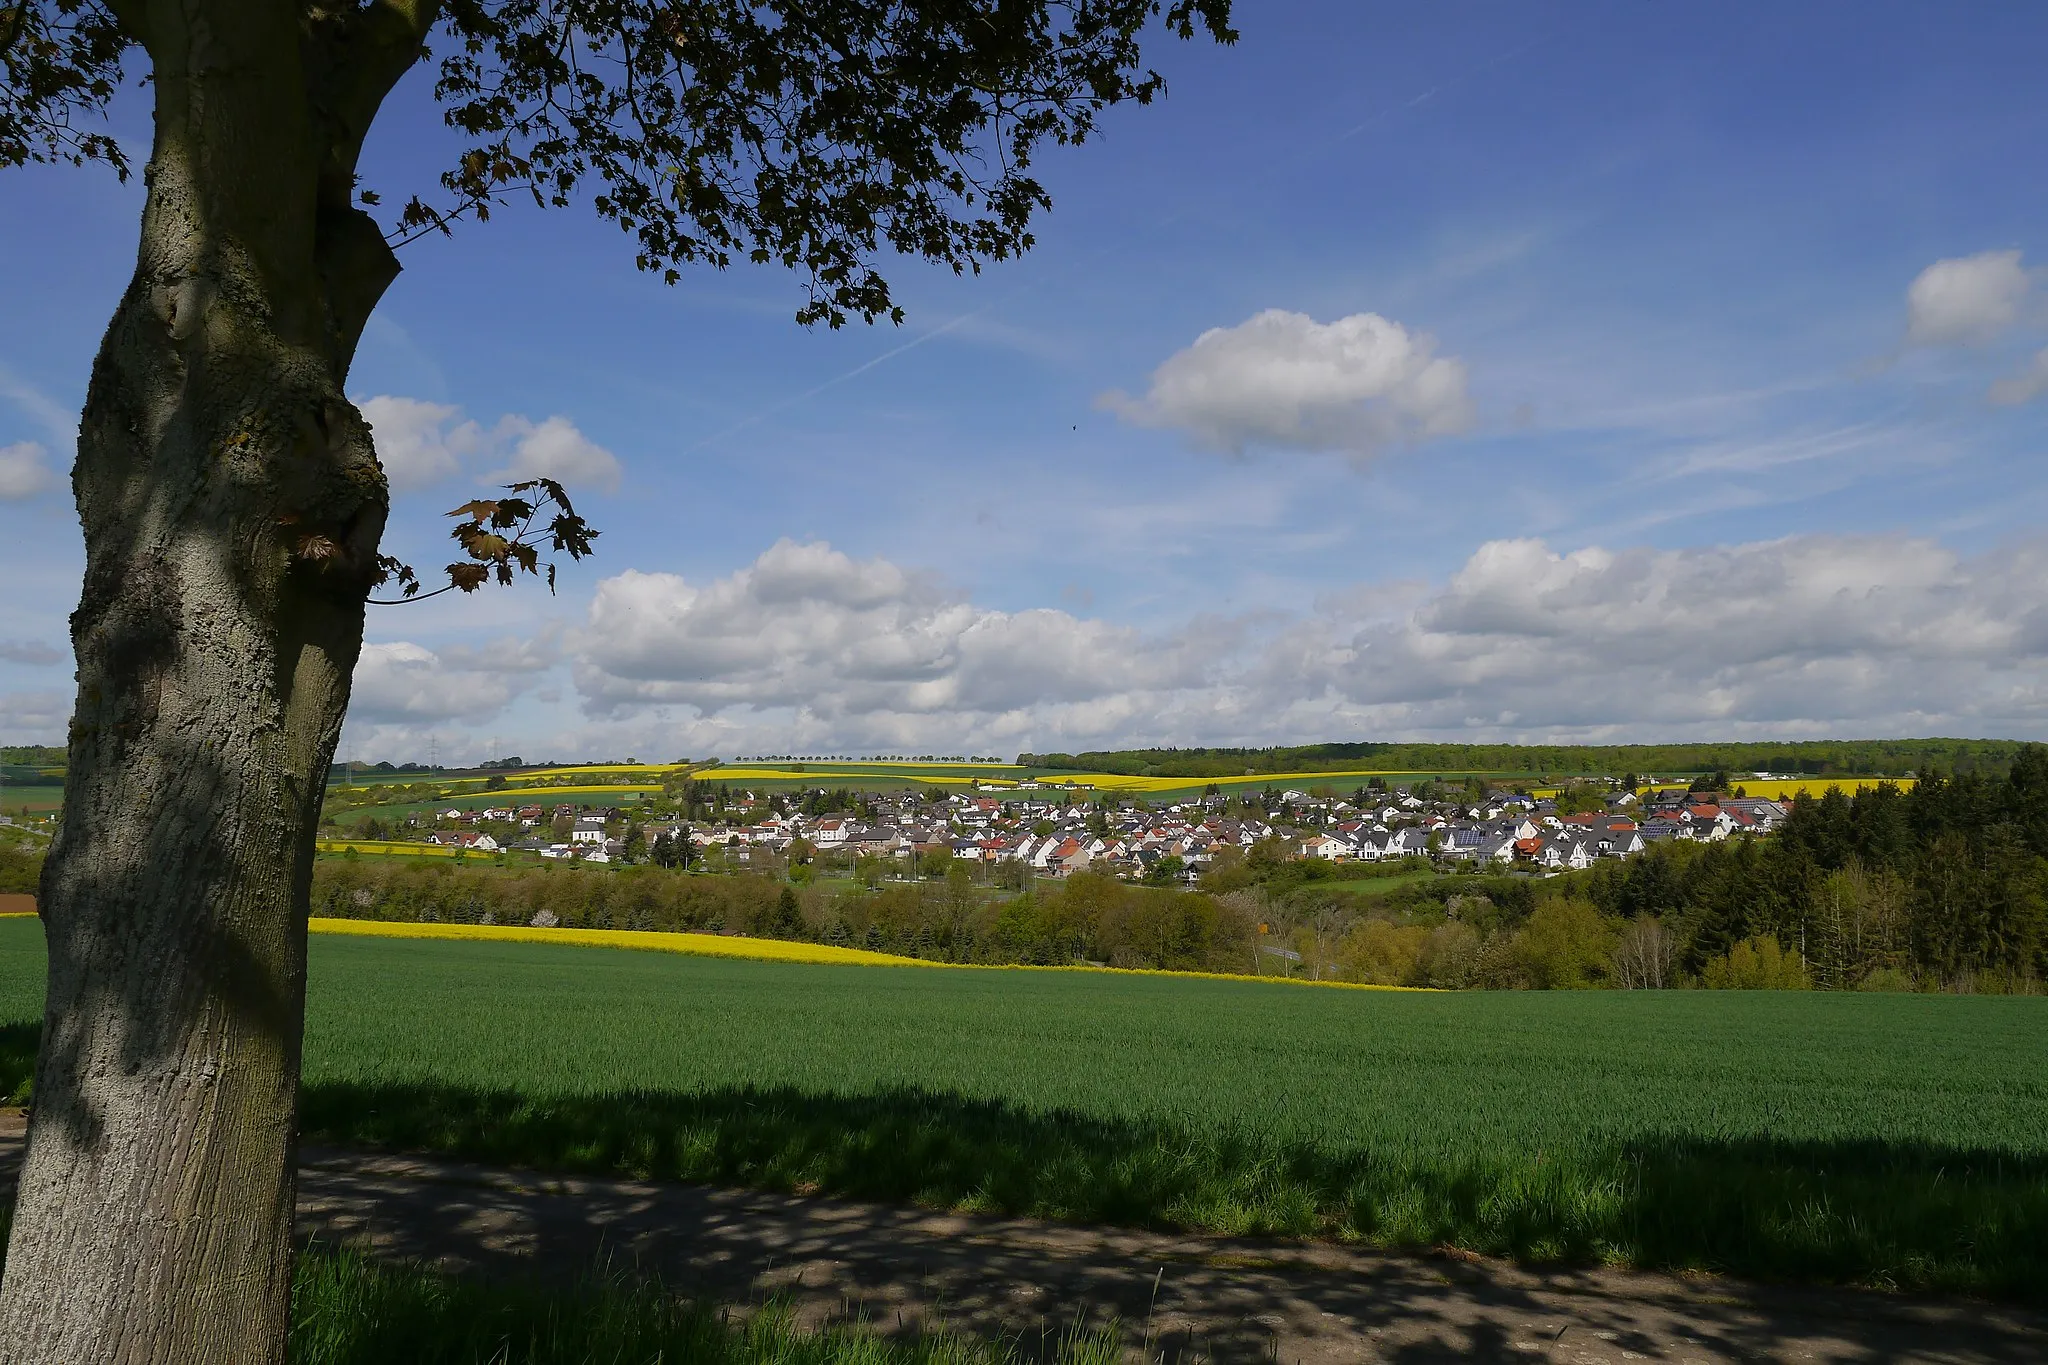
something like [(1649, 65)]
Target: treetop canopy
[(797, 132)]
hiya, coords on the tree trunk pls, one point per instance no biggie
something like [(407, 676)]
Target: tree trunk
[(232, 506)]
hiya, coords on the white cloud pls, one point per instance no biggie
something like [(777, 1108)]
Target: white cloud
[(858, 643), (414, 441), (2024, 387), (22, 472), (1966, 299), (421, 444), (1283, 379), (1812, 635), (553, 449), (34, 717), (402, 682)]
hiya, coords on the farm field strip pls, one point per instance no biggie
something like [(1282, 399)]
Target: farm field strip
[(757, 949), (643, 940), (382, 848), (1777, 789), (503, 794)]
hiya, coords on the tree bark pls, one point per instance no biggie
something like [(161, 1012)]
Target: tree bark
[(232, 506)]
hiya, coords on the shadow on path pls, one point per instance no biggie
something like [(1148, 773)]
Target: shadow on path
[(1192, 1298)]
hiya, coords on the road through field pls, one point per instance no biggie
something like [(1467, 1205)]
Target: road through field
[(1179, 1298)]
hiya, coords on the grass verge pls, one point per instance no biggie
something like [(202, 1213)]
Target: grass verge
[(347, 1310)]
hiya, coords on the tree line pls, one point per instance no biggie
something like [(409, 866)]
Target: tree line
[(1812, 758), (1944, 885)]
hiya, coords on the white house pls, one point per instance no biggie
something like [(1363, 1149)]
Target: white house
[(465, 839), (1325, 846)]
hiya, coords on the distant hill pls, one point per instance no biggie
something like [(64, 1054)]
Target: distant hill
[(1886, 757), (29, 759)]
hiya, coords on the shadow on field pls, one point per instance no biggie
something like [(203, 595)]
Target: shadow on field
[(1893, 1215)]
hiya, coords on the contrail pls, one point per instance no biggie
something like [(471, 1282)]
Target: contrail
[(858, 370)]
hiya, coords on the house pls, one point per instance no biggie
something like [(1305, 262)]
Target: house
[(465, 839), (1499, 850), (589, 829), (1325, 846), (1561, 852), (1406, 843), (1622, 843), (1045, 856), (1069, 857), (1462, 842)]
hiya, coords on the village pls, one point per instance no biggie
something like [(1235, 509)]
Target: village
[(1073, 830)]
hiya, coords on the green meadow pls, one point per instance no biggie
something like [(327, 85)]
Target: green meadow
[(1880, 1139)]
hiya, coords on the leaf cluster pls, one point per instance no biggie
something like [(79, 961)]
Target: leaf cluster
[(499, 536), (807, 133), (60, 60), (789, 131)]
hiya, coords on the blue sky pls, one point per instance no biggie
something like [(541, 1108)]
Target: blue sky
[(1456, 371)]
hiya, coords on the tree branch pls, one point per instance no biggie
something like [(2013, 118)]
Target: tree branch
[(133, 16), (16, 22), (356, 60)]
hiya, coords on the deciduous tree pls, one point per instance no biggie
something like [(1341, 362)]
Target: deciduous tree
[(233, 505)]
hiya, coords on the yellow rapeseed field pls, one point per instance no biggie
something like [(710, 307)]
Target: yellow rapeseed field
[(760, 949), (542, 793), (1784, 789), (826, 774), (696, 945), (1124, 782)]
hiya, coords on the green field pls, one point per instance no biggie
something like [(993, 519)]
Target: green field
[(1879, 1139)]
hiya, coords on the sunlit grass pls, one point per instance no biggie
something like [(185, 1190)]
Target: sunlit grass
[(1891, 1140)]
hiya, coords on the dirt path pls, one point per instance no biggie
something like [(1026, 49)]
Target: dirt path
[(1195, 1298)]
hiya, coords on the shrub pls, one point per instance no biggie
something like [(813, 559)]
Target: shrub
[(1756, 964), (1566, 945)]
